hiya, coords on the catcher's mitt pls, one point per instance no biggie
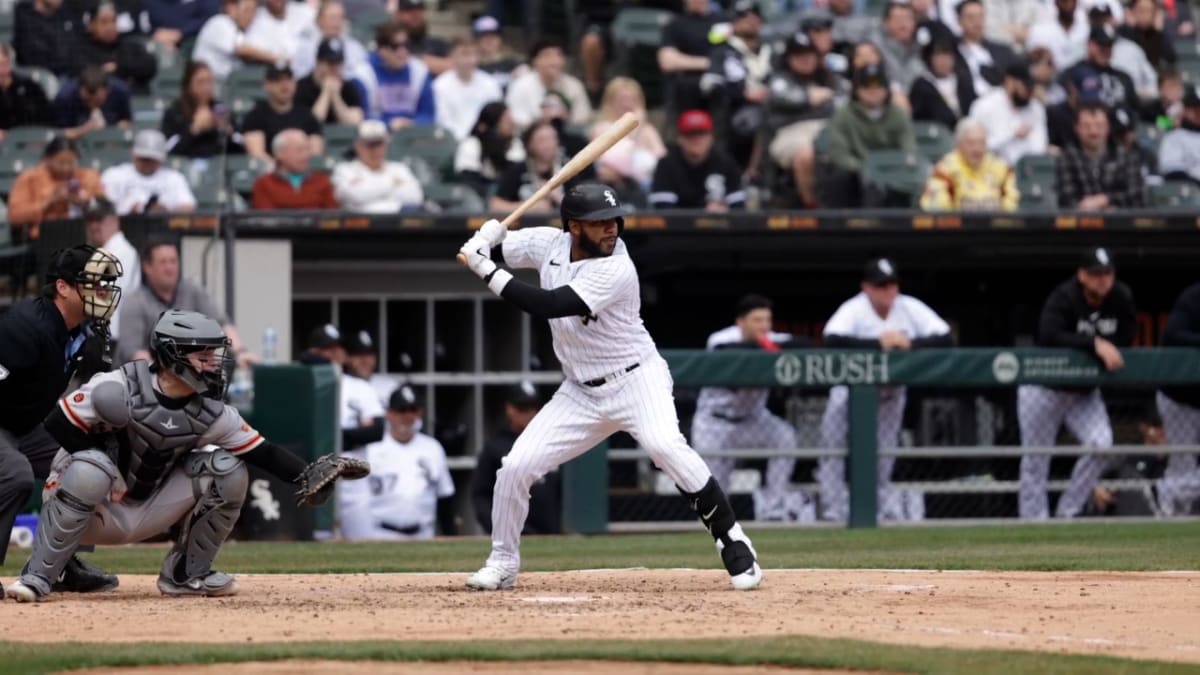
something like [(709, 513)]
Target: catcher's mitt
[(316, 482)]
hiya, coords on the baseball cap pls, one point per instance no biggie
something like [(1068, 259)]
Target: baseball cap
[(404, 398), (278, 71), (1104, 35), (1019, 70), (68, 263), (880, 271), (523, 396), (871, 74), (695, 122), (410, 4), (150, 144), (99, 208), (1122, 121), (743, 7), (359, 342), (372, 130), (331, 50), (324, 337), (485, 25), (1097, 259), (800, 44), (816, 22)]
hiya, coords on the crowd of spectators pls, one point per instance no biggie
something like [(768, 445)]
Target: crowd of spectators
[(797, 101)]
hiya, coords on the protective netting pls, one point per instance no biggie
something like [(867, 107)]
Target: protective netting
[(1028, 452)]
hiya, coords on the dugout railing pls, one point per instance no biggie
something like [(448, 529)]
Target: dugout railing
[(958, 449)]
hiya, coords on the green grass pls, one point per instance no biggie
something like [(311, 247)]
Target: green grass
[(784, 651), (1078, 546), (1082, 546)]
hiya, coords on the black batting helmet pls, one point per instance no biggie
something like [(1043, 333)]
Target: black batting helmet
[(592, 201)]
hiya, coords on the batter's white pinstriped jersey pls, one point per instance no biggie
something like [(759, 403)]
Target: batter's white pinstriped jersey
[(613, 336), (740, 402), (858, 319)]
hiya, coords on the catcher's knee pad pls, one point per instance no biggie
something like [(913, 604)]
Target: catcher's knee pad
[(220, 473), (711, 504), (84, 483), (87, 479)]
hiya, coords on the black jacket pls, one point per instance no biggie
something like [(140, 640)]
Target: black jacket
[(680, 185), (177, 127), (1068, 321), (929, 106), (24, 104), (135, 65), (45, 41), (545, 497), (1183, 330), (34, 365)]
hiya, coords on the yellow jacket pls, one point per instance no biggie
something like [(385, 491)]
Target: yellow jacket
[(955, 186)]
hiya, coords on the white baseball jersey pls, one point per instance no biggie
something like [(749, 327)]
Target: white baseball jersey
[(399, 499), (739, 402), (358, 401), (612, 337), (909, 316)]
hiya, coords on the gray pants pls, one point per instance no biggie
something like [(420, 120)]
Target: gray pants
[(759, 430), (831, 471), (1180, 484), (1041, 412), (23, 463)]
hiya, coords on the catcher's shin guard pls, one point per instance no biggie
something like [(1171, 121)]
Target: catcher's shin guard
[(65, 516), (221, 480)]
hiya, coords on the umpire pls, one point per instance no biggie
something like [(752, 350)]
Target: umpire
[(545, 497), (44, 341)]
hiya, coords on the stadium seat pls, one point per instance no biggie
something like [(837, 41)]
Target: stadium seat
[(44, 79), (339, 138), (242, 171), (363, 28), (324, 163), (434, 145), (169, 81), (1189, 68), (108, 139), (454, 198), (26, 140), (245, 82), (1149, 137), (638, 33), (893, 178), (149, 108), (934, 140), (10, 167), (421, 169), (1037, 196), (1186, 46), (1039, 168), (1178, 194)]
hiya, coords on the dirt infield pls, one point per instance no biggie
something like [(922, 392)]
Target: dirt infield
[(1142, 615), (456, 667)]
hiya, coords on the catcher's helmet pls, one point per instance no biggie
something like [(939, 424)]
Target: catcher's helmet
[(592, 201), (179, 333)]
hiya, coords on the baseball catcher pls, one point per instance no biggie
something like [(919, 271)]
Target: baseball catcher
[(131, 466)]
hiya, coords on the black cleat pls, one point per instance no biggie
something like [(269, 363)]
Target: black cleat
[(80, 576)]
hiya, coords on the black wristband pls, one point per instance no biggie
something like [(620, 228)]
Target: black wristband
[(488, 278)]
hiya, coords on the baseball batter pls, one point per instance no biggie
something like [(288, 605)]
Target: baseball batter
[(1179, 408), (129, 467), (615, 378), (879, 317), (738, 418), (1094, 313), (410, 484)]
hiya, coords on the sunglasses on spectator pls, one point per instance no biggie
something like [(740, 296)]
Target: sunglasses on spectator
[(398, 45)]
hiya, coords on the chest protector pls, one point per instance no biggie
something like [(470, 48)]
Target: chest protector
[(157, 437)]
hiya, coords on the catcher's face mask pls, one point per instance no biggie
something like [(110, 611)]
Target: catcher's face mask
[(97, 285)]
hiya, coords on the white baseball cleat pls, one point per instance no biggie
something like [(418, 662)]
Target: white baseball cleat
[(748, 580), (23, 592), (492, 579), (741, 560)]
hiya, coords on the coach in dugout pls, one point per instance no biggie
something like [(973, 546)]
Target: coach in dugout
[(44, 342)]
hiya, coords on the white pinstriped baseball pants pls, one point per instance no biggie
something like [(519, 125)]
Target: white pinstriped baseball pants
[(1041, 411), (1180, 484), (577, 418), (759, 429)]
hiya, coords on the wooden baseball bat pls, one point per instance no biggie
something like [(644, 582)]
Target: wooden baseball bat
[(590, 153)]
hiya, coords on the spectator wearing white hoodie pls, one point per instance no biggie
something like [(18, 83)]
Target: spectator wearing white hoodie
[(372, 184), (1014, 119), (461, 92)]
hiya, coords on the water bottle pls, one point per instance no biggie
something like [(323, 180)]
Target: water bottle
[(241, 390), (270, 340)]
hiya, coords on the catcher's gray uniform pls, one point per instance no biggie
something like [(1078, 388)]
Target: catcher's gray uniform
[(149, 477)]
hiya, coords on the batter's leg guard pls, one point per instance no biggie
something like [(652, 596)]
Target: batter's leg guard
[(220, 479), (737, 553), (84, 484)]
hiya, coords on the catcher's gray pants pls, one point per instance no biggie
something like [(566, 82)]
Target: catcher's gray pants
[(23, 462), (1041, 411), (831, 471), (758, 430), (1180, 484), (82, 503)]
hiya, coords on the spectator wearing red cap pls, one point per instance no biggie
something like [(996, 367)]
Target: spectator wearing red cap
[(694, 174)]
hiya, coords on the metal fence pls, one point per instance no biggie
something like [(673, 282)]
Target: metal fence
[(940, 435)]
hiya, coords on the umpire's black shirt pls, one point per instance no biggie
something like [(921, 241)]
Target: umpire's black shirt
[(33, 363), (1183, 330)]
